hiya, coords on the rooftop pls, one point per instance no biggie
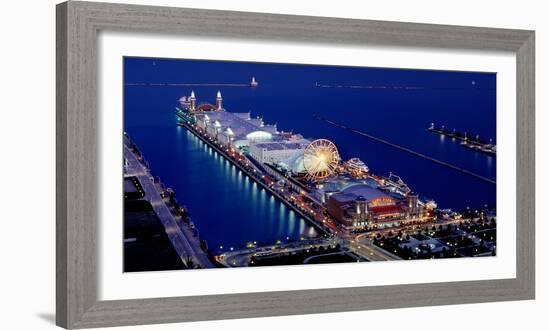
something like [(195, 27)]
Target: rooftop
[(366, 191), (361, 192), (279, 146), (344, 198), (340, 183), (240, 123)]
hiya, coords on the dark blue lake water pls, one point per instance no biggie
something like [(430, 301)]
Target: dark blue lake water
[(230, 210)]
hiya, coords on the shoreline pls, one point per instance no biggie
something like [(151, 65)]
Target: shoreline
[(184, 239)]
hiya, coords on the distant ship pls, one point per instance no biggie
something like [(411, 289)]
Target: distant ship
[(253, 82)]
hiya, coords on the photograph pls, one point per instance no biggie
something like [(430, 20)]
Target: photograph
[(245, 164), (272, 165)]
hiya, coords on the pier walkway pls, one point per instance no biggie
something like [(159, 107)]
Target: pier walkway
[(185, 243), (472, 143)]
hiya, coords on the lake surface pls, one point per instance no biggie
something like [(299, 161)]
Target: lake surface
[(397, 105)]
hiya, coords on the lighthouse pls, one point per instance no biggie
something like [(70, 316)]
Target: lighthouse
[(253, 82), (192, 101), (219, 100)]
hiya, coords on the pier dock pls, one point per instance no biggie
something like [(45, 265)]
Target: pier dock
[(283, 194)]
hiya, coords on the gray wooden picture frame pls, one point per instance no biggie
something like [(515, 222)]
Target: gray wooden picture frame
[(78, 24)]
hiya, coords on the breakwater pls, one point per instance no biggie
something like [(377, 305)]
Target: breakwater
[(402, 148), (466, 140)]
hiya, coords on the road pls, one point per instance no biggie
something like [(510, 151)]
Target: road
[(364, 247), (338, 253), (241, 258), (186, 245)]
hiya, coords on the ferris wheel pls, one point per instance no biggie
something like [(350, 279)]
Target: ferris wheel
[(321, 159)]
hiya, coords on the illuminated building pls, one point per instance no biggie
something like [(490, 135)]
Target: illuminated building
[(183, 102), (238, 130), (219, 104), (192, 101), (414, 209), (356, 168), (362, 206), (275, 152)]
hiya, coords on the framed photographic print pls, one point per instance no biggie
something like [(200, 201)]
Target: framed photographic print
[(216, 165)]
